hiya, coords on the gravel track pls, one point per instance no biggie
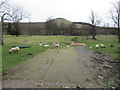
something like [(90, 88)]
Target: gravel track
[(74, 67)]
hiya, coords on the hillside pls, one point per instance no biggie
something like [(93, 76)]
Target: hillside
[(64, 25), (59, 21)]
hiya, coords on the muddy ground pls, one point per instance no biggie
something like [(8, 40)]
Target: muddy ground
[(74, 67)]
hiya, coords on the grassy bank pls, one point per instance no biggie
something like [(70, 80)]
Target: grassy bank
[(11, 60)]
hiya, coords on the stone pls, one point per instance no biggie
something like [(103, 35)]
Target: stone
[(100, 77)]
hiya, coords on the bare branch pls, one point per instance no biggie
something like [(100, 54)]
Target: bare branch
[(114, 12)]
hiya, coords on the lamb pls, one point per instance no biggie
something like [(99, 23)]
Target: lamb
[(102, 46), (15, 49), (97, 46)]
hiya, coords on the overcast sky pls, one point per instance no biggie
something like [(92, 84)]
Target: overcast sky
[(73, 10)]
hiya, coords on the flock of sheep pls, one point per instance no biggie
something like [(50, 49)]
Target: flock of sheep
[(16, 49), (102, 46), (46, 45)]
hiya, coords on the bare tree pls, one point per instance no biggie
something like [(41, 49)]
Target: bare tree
[(72, 29), (2, 14), (94, 21), (18, 14), (115, 15), (13, 14), (49, 25)]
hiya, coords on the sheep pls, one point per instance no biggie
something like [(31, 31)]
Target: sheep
[(45, 45), (15, 49), (40, 44), (56, 45), (97, 46), (102, 46)]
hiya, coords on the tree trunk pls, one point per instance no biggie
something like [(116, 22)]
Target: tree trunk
[(1, 26), (1, 36), (94, 32), (119, 21), (61, 32)]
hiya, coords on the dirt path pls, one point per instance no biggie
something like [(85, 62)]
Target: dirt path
[(68, 67)]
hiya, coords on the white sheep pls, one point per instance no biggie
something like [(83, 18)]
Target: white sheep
[(97, 45), (45, 45), (56, 45), (102, 46), (40, 43), (15, 49)]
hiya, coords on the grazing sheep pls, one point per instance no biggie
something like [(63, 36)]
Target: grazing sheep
[(15, 49), (97, 46), (102, 46), (56, 45), (40, 44), (45, 45)]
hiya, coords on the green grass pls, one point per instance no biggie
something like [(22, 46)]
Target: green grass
[(107, 41), (9, 61), (34, 39)]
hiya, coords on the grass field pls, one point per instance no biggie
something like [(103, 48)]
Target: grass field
[(107, 41), (11, 60)]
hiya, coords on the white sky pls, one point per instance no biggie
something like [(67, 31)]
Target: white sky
[(73, 10)]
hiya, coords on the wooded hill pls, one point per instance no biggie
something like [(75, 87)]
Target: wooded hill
[(58, 26)]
